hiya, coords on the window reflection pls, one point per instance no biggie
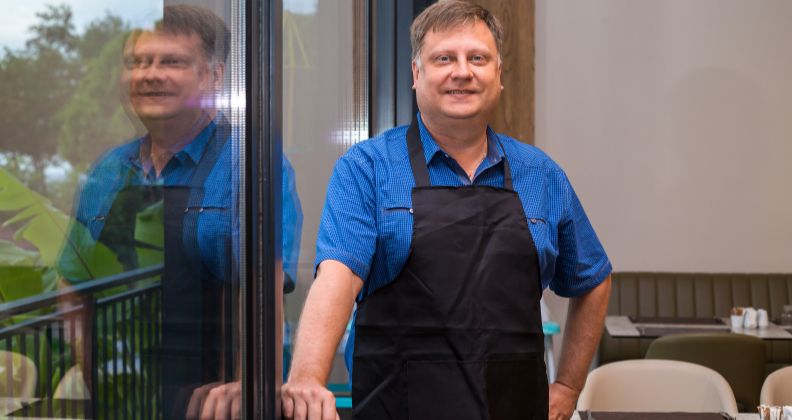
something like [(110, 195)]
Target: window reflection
[(131, 308)]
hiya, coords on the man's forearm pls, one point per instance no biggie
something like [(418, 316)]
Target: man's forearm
[(584, 324), (324, 318)]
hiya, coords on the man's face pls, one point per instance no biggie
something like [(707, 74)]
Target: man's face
[(167, 76), (458, 76)]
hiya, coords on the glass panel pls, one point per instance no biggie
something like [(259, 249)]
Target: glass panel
[(325, 111), (120, 206)]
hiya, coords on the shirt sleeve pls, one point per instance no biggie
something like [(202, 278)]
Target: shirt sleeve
[(292, 225), (348, 228), (582, 263)]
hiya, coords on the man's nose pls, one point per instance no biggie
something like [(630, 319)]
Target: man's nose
[(462, 69), (149, 72)]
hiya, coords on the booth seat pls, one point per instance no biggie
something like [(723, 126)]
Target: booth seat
[(694, 295)]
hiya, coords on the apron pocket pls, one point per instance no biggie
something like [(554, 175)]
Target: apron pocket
[(516, 388), (445, 390)]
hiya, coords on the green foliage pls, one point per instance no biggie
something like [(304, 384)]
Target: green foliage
[(93, 120), (37, 221)]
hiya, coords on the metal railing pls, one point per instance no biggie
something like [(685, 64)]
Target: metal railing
[(102, 333)]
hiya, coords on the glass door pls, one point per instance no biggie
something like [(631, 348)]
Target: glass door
[(125, 184)]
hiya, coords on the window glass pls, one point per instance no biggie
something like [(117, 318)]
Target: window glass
[(120, 206), (325, 111)]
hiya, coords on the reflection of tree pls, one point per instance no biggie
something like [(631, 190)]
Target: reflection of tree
[(294, 57), (45, 90)]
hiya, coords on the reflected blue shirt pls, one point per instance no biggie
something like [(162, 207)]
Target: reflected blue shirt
[(366, 223), (122, 167)]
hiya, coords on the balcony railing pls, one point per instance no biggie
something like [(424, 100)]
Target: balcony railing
[(98, 338)]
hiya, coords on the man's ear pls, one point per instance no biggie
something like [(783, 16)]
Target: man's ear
[(218, 72), (414, 73)]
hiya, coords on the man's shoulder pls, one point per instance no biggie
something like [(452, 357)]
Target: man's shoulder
[(117, 156), (388, 146), (525, 155)]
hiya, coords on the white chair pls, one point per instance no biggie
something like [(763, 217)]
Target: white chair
[(777, 388), (658, 386), (72, 386), (23, 376)]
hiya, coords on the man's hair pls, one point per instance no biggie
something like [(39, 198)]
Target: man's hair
[(450, 14), (183, 19)]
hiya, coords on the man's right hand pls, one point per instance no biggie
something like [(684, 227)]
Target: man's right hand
[(308, 400)]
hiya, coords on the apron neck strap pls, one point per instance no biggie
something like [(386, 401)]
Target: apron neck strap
[(418, 160)]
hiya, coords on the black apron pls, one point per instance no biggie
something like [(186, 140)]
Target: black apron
[(197, 306), (458, 334)]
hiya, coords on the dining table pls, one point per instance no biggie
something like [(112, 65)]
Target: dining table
[(623, 326)]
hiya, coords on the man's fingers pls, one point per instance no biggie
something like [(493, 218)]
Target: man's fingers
[(288, 406), (236, 401), (329, 409), (300, 409)]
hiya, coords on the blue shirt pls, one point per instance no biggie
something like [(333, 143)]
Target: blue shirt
[(218, 218), (367, 225)]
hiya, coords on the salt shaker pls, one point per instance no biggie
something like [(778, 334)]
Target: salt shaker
[(762, 320)]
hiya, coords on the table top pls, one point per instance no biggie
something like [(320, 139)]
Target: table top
[(620, 326), (740, 416)]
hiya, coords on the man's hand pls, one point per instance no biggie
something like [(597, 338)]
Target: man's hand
[(216, 401), (562, 401), (308, 400)]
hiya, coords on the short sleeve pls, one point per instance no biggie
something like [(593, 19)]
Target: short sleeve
[(582, 263), (348, 228)]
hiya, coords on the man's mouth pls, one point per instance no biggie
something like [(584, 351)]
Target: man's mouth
[(155, 94), (460, 92)]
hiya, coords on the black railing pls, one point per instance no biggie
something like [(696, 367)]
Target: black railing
[(97, 338)]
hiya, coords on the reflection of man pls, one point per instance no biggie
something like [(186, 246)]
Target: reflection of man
[(184, 164), (446, 233)]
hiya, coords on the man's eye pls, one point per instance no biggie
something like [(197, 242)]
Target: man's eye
[(134, 62), (478, 59), (443, 59), (172, 62)]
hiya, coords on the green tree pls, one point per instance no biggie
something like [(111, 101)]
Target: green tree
[(35, 83)]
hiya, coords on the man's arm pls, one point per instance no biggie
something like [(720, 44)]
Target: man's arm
[(585, 320), (324, 317)]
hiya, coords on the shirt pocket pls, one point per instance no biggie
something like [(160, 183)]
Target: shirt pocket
[(396, 235)]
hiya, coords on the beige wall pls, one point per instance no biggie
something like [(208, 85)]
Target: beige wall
[(673, 120)]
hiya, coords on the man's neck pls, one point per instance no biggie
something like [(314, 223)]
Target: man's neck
[(168, 137), (465, 141)]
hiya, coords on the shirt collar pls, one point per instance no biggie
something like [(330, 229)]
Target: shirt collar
[(431, 148), (193, 150)]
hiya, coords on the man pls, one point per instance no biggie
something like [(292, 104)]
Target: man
[(445, 233), (185, 166)]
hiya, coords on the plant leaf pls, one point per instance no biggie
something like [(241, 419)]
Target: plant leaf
[(40, 223)]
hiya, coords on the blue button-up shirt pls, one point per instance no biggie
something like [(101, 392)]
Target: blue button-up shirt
[(217, 225), (367, 224)]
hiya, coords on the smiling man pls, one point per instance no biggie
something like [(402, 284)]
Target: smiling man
[(445, 233)]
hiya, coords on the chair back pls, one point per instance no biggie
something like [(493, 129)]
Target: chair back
[(72, 386), (17, 375), (739, 358), (656, 386), (777, 388)]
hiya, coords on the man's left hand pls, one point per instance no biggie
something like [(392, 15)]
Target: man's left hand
[(562, 401), (216, 401)]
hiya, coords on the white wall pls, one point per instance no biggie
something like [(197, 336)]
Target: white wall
[(673, 119)]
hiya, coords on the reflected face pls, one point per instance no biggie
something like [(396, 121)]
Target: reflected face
[(167, 76), (457, 75)]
